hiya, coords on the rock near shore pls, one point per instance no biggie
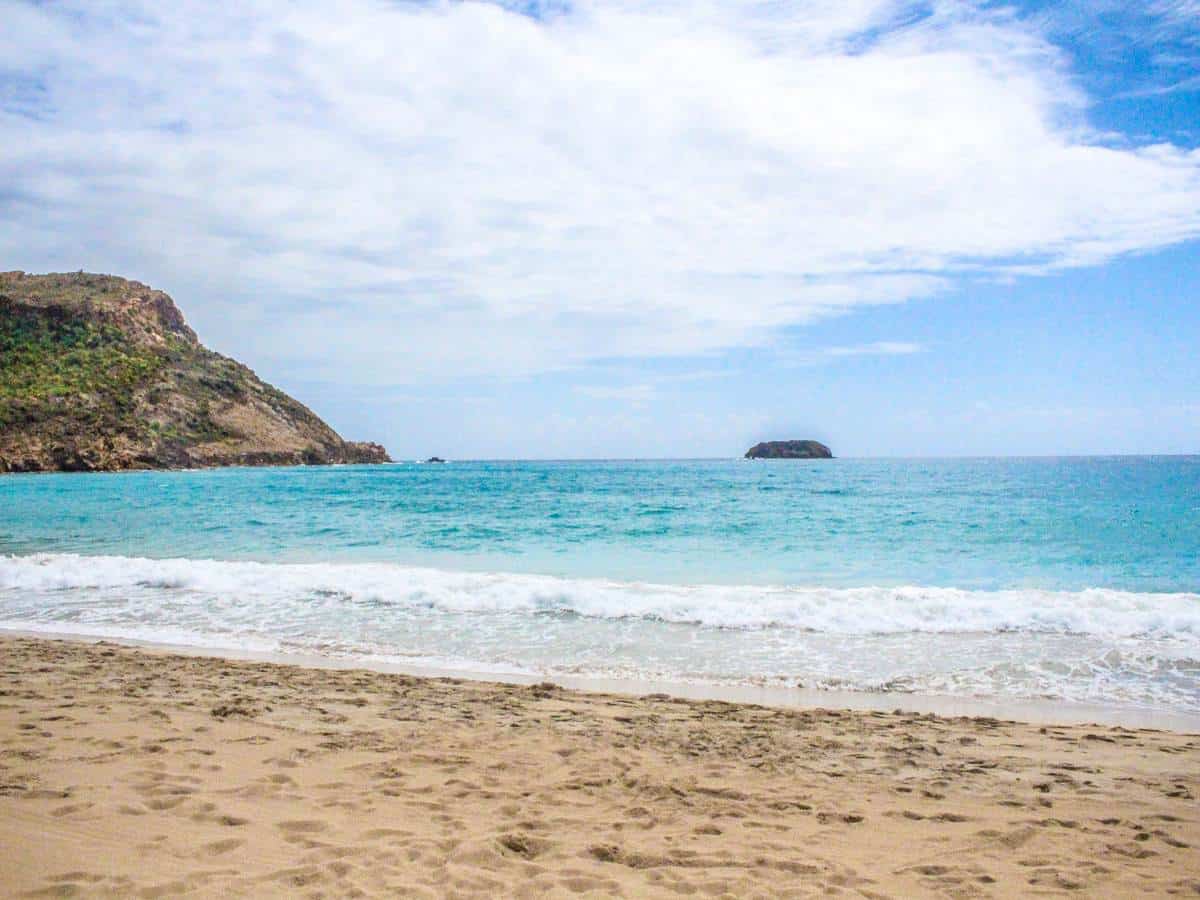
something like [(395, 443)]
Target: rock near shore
[(789, 450), (98, 373)]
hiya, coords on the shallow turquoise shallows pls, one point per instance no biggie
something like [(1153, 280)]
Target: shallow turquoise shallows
[(1061, 578)]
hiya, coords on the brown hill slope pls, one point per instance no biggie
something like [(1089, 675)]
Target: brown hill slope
[(99, 373)]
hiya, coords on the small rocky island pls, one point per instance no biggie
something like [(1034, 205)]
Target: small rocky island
[(98, 373), (789, 450)]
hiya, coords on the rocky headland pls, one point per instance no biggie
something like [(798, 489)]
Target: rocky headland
[(789, 450), (98, 373)]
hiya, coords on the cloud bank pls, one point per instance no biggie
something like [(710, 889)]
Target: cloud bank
[(384, 192)]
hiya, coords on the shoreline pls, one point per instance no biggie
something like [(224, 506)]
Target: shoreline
[(1027, 711), (131, 772)]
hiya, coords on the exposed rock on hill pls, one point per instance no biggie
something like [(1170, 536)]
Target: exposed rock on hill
[(99, 373), (789, 450)]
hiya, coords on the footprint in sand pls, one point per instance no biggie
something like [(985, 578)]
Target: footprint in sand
[(219, 848), (301, 876), (301, 826), (162, 804), (70, 809), (524, 845)]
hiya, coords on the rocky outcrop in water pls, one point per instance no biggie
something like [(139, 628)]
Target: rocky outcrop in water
[(789, 450), (98, 373)]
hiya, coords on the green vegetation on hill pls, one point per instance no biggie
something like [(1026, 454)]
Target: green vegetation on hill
[(48, 359), (53, 366)]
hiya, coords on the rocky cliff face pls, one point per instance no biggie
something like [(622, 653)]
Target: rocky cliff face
[(789, 450), (99, 373)]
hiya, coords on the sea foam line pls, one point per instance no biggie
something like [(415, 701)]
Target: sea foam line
[(70, 578)]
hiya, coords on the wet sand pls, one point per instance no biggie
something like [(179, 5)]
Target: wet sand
[(136, 772), (1042, 711)]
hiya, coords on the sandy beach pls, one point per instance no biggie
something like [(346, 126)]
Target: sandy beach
[(139, 773)]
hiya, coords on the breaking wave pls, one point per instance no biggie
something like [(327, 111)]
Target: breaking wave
[(28, 582)]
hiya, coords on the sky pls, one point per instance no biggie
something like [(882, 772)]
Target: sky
[(578, 228)]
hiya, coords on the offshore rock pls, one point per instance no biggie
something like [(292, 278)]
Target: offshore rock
[(98, 373), (789, 450)]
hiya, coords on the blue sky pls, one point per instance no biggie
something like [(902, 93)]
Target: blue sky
[(571, 229)]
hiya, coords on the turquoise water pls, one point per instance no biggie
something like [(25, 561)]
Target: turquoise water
[(1132, 524), (1071, 578)]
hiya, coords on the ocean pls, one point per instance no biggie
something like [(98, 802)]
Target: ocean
[(1063, 579)]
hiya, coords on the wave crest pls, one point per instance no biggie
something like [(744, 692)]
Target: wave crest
[(858, 610)]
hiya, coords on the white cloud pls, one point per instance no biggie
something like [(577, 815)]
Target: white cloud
[(637, 395), (877, 348), (1177, 12), (396, 191), (793, 358)]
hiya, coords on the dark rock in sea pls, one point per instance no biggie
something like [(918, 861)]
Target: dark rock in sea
[(435, 459), (98, 373), (789, 450)]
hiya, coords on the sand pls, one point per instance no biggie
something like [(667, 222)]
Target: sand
[(137, 773)]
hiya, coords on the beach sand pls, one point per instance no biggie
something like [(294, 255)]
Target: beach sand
[(138, 773)]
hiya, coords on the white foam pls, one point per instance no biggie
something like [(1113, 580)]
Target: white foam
[(27, 582)]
